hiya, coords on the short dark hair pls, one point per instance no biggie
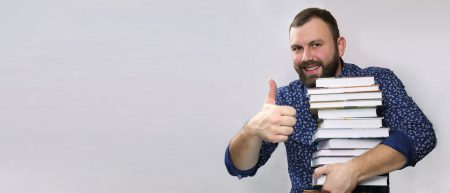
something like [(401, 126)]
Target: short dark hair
[(309, 13)]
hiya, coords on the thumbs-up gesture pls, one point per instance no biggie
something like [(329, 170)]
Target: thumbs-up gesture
[(273, 123)]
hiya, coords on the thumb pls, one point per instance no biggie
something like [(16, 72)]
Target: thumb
[(272, 94), (320, 171)]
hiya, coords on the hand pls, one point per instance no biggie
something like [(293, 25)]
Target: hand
[(340, 178), (273, 123)]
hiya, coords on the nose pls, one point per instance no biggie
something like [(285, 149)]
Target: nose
[(307, 55)]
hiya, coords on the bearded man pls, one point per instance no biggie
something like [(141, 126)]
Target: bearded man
[(317, 50)]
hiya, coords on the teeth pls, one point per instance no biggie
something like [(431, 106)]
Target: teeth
[(312, 68)]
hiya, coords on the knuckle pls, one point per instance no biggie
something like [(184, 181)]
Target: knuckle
[(290, 130), (294, 120), (317, 171), (275, 120), (292, 109), (271, 120), (270, 138), (291, 121), (315, 174), (269, 109), (267, 106)]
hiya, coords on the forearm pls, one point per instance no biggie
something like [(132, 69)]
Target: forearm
[(379, 160), (244, 149), (272, 124)]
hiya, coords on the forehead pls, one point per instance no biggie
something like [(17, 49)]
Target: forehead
[(314, 29)]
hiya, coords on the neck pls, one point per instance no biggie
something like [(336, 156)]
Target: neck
[(339, 68)]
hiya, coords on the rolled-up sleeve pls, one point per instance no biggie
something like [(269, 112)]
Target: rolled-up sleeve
[(411, 133), (264, 154), (232, 170)]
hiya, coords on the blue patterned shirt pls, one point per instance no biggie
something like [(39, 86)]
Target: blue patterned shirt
[(411, 133)]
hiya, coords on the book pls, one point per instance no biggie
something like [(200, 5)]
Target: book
[(373, 122), (345, 82), (372, 181), (371, 88), (345, 104), (320, 161), (338, 152), (345, 96), (346, 113), (328, 133), (348, 143)]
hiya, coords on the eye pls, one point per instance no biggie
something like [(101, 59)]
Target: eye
[(296, 49), (315, 45)]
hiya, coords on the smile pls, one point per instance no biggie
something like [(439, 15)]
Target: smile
[(313, 69)]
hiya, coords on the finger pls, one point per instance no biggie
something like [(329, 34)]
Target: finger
[(272, 94), (288, 121), (276, 138), (287, 110), (320, 171), (283, 130), (325, 190), (280, 138)]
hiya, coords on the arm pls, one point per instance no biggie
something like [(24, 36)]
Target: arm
[(244, 148), (411, 138), (273, 124), (380, 160), (344, 177), (411, 133)]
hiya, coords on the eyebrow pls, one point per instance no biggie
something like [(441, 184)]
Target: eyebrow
[(309, 43), (295, 46), (316, 41)]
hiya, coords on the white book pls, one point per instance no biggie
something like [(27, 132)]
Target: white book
[(344, 96), (345, 82), (346, 104), (373, 122), (346, 113), (320, 161), (371, 88), (328, 133), (338, 152), (348, 143), (372, 181)]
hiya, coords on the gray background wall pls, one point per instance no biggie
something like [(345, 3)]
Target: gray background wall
[(143, 96)]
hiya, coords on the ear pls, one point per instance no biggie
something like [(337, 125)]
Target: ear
[(341, 46)]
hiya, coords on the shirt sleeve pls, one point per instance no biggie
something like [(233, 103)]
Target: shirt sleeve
[(411, 133), (266, 151)]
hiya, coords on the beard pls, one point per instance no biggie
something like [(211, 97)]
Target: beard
[(328, 70)]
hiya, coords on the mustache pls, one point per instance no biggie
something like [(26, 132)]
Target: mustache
[(307, 63)]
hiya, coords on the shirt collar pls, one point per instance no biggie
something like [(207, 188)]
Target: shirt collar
[(346, 69)]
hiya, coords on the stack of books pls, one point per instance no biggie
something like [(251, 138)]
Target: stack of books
[(348, 124)]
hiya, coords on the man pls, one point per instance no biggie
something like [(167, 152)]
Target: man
[(317, 49)]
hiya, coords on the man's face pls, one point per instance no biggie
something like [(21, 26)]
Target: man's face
[(314, 52)]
